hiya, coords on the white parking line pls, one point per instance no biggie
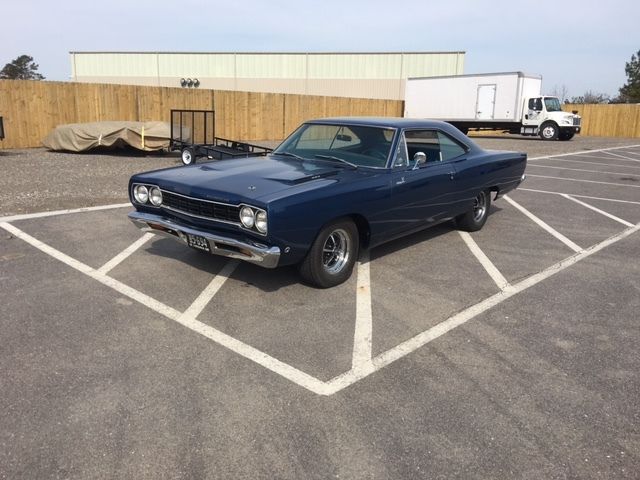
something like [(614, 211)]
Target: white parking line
[(402, 350), (552, 231), (27, 216), (622, 156), (588, 163), (87, 270), (583, 170), (273, 364), (601, 157), (291, 373), (632, 153), (602, 212), (579, 196), (115, 261), (583, 152), (208, 293), (363, 335), (488, 265), (585, 181)]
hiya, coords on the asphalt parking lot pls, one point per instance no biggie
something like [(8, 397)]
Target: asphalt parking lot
[(507, 353)]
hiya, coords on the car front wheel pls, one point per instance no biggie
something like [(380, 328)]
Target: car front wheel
[(332, 256), (475, 218)]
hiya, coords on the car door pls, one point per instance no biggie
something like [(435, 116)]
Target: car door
[(425, 190)]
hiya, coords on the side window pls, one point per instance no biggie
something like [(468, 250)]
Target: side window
[(449, 148), (435, 145), (535, 104)]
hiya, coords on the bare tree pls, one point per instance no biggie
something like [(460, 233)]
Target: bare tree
[(591, 97), (562, 92)]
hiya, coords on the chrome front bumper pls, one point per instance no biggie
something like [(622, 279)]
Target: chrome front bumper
[(246, 250)]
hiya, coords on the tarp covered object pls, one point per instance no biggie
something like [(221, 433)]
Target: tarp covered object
[(79, 137)]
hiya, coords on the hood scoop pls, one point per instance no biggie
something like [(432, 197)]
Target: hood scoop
[(297, 177)]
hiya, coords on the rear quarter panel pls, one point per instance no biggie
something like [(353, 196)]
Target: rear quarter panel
[(495, 170)]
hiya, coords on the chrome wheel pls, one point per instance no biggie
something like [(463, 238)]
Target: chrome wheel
[(187, 157), (549, 131), (335, 252), (480, 206)]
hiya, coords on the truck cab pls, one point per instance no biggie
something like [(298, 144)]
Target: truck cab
[(543, 116)]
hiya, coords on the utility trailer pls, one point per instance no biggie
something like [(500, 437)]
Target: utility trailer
[(193, 135), (509, 102)]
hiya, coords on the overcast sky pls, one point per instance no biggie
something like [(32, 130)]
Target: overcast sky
[(581, 44)]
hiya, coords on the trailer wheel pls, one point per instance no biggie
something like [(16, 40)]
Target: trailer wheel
[(188, 156), (549, 131)]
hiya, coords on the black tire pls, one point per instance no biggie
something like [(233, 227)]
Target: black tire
[(476, 217), (566, 135), (549, 131), (332, 256), (188, 156)]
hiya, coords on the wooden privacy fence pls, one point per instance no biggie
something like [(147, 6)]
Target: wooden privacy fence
[(31, 109), (616, 120)]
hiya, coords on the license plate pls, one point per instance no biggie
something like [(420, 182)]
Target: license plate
[(198, 242)]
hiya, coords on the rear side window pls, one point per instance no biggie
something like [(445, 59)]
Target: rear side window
[(437, 146)]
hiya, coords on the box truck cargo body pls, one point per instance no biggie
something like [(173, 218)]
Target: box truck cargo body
[(494, 101)]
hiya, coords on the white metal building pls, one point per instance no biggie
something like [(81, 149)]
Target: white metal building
[(365, 75)]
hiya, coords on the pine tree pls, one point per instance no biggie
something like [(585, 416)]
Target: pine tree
[(22, 68)]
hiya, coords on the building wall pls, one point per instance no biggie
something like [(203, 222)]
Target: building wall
[(361, 75)]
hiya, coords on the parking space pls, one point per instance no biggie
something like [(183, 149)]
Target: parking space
[(284, 338)]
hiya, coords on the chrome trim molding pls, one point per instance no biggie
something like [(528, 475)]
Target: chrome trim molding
[(247, 250)]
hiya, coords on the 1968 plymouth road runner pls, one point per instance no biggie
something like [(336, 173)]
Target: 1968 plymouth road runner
[(333, 187)]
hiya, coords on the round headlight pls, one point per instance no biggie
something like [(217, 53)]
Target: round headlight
[(247, 217), (155, 195), (141, 193), (261, 221)]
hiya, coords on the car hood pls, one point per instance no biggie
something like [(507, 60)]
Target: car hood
[(240, 180)]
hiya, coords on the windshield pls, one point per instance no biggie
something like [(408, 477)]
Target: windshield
[(345, 144), (552, 104)]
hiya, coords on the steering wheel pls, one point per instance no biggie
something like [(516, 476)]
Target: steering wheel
[(372, 152)]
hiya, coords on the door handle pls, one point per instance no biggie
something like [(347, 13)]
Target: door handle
[(452, 175), (401, 181)]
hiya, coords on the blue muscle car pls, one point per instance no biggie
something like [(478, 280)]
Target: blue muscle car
[(331, 188)]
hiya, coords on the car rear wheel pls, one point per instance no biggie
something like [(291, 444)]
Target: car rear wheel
[(475, 218), (332, 256), (188, 156)]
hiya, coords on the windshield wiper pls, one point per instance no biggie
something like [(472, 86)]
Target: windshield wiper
[(337, 159), (289, 154)]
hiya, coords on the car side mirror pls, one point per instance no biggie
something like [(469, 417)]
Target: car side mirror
[(418, 159)]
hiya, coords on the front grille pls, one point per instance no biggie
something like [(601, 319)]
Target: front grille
[(201, 208), (576, 121)]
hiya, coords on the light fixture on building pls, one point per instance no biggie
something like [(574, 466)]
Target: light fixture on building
[(188, 82)]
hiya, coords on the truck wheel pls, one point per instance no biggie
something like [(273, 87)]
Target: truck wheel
[(332, 256), (475, 218), (566, 134), (549, 131), (188, 156)]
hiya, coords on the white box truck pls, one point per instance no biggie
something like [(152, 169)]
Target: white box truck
[(509, 102)]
